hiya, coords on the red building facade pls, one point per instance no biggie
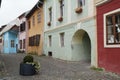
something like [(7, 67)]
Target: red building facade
[(108, 35)]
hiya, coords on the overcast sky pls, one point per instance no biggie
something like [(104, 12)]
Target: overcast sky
[(11, 9)]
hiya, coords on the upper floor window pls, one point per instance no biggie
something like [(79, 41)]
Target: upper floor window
[(61, 7), (29, 24), (39, 17), (61, 10), (50, 16), (33, 20), (112, 28), (80, 3), (62, 39), (22, 27)]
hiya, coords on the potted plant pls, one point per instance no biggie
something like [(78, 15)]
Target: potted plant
[(60, 19), (49, 23), (28, 67), (78, 10)]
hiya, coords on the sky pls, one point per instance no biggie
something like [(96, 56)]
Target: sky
[(11, 9)]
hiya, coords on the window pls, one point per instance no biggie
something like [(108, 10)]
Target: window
[(34, 40), (29, 24), (33, 20), (20, 44), (12, 43), (112, 28), (81, 3), (31, 41), (50, 14), (23, 43), (22, 27), (62, 39), (37, 40), (61, 7), (50, 40), (38, 17)]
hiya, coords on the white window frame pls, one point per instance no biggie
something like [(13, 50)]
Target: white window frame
[(50, 41), (104, 34), (83, 2), (38, 17), (60, 42)]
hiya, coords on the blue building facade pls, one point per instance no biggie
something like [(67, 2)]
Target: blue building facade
[(10, 40)]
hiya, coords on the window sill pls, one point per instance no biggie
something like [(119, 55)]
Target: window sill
[(60, 19), (78, 10), (112, 46)]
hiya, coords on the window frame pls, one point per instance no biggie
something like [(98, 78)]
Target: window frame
[(38, 17), (24, 43), (33, 20), (62, 39), (12, 43), (50, 40), (82, 3), (106, 45), (22, 27), (50, 14), (20, 44), (61, 3)]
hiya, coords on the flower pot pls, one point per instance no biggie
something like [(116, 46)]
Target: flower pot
[(49, 23), (78, 10), (27, 69), (60, 19)]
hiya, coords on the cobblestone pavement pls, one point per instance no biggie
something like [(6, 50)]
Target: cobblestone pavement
[(53, 69)]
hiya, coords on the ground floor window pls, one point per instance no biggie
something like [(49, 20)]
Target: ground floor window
[(20, 42), (12, 43), (23, 43), (50, 41), (62, 39), (34, 40), (112, 24)]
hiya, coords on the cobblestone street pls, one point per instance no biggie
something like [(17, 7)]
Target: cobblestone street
[(53, 69)]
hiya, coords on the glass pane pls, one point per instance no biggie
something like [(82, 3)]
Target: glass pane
[(117, 18), (117, 28), (110, 34), (109, 20), (80, 3), (110, 29)]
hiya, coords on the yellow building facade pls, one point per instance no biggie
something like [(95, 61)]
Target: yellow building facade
[(35, 23)]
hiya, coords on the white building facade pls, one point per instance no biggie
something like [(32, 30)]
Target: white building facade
[(70, 30)]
